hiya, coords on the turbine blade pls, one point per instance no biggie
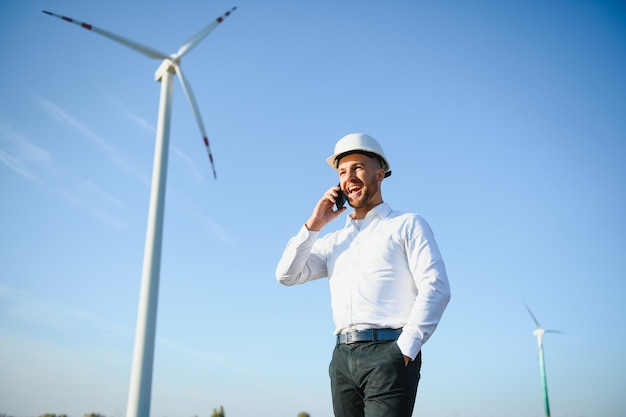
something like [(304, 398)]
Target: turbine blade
[(553, 331), (195, 39), (533, 316), (196, 111), (142, 49)]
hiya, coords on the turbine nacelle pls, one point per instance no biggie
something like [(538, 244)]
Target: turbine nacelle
[(166, 65)]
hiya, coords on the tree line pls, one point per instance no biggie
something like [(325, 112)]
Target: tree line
[(216, 413)]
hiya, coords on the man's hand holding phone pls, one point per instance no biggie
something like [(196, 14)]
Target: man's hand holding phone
[(324, 211)]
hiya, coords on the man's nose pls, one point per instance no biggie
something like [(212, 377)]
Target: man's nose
[(351, 176)]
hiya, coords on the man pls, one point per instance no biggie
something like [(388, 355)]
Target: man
[(388, 284)]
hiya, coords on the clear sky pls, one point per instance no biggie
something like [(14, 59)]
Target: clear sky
[(505, 126)]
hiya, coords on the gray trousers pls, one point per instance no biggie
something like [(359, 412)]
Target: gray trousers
[(369, 379)]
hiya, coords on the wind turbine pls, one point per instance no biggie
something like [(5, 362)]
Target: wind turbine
[(143, 356), (539, 332)]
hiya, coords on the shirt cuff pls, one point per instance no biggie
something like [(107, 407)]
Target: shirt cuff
[(408, 345)]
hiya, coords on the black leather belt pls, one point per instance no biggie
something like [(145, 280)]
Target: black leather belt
[(369, 335)]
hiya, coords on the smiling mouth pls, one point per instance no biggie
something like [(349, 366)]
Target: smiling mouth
[(353, 190)]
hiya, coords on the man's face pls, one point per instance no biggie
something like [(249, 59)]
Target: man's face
[(359, 176)]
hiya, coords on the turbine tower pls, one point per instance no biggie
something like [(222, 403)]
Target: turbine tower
[(143, 355), (539, 332)]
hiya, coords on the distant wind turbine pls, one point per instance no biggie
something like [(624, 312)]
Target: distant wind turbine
[(143, 356), (539, 332)]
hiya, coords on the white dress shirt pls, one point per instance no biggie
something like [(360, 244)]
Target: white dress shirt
[(385, 271)]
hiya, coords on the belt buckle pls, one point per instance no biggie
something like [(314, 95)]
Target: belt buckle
[(352, 337)]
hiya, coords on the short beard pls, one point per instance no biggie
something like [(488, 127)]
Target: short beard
[(366, 196)]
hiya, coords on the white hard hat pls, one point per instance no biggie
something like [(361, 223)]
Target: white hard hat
[(358, 143)]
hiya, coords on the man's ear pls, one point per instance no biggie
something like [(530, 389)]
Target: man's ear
[(380, 175)]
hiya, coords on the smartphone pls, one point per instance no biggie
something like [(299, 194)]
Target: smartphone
[(340, 200)]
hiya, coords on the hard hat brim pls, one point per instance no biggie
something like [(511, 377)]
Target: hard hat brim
[(334, 159)]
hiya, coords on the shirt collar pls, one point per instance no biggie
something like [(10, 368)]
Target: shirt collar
[(382, 210)]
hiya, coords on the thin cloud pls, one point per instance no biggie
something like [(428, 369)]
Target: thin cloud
[(16, 166), (103, 195), (196, 173), (205, 356), (25, 308), (62, 116), (88, 195), (192, 210), (107, 218), (110, 151), (149, 128), (79, 198), (21, 155), (30, 309), (35, 163), (138, 120), (215, 229)]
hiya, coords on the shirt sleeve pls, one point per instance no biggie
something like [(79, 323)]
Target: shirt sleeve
[(302, 259), (433, 289)]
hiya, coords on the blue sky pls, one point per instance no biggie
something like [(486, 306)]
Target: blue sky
[(504, 125)]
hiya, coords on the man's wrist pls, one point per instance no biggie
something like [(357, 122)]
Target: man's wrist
[(311, 226)]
